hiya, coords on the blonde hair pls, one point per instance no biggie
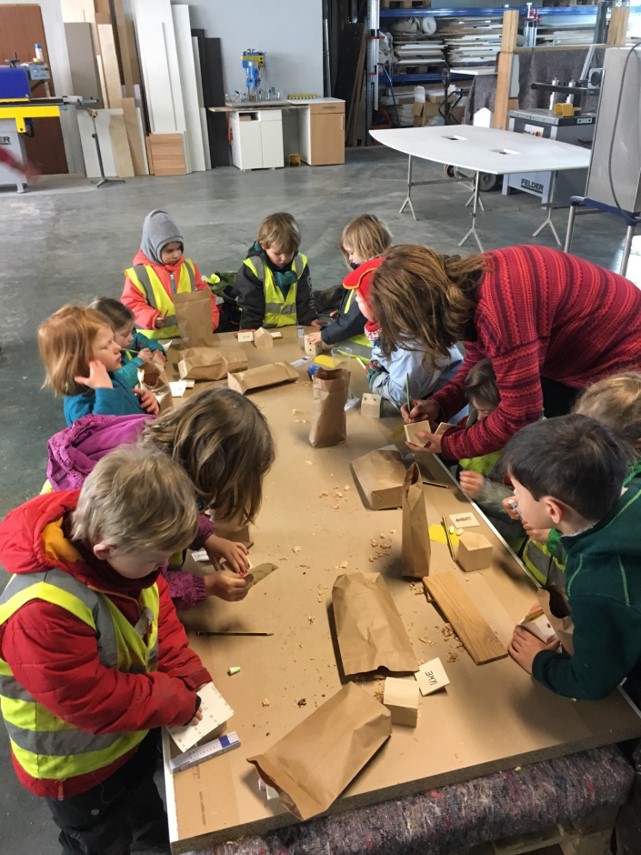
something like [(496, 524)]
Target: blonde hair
[(615, 402), (421, 297), (65, 342), (223, 442), (367, 236), (279, 230), (138, 501)]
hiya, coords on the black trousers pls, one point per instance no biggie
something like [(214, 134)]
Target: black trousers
[(558, 399), (120, 815)]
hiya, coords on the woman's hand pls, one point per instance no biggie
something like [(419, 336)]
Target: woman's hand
[(98, 376), (421, 411), (471, 483), (524, 647), (432, 442), (148, 401)]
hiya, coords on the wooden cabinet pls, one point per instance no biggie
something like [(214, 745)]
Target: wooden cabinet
[(322, 133)]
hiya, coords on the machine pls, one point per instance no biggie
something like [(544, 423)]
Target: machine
[(254, 65)]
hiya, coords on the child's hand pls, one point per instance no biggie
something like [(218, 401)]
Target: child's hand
[(148, 401), (234, 553), (433, 442), (198, 716), (314, 338), (146, 354), (228, 585), (471, 483), (524, 647), (539, 534), (318, 323), (511, 508), (98, 377), (420, 411), (159, 323)]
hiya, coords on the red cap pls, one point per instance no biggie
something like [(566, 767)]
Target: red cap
[(361, 278)]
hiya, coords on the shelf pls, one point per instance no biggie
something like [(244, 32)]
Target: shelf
[(426, 77), (543, 11)]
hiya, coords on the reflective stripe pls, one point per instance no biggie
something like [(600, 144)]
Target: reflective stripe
[(542, 564), (59, 767), (57, 743), (283, 308), (12, 690)]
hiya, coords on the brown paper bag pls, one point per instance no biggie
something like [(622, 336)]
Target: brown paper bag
[(380, 475), (235, 359), (263, 339), (152, 378), (554, 603), (311, 766), (415, 546), (193, 316), (202, 363), (369, 629), (259, 378), (328, 422)]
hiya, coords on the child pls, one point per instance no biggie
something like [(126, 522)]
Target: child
[(273, 286), (81, 360), (92, 655), (362, 239), (406, 368), (136, 348), (159, 270), (568, 473), (221, 440)]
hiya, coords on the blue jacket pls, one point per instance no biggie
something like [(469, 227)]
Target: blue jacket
[(424, 377), (128, 374), (119, 401)]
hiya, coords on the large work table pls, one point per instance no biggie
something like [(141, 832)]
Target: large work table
[(314, 526)]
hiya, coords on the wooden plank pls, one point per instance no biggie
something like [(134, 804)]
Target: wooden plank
[(504, 76), (135, 135), (85, 79), (167, 154), (78, 11), (120, 145), (189, 84), (468, 623), (618, 27), (110, 65), (510, 30)]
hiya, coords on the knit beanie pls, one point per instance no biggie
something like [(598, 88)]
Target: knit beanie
[(158, 230)]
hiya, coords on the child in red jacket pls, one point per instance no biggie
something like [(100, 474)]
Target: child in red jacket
[(92, 655), (158, 272)]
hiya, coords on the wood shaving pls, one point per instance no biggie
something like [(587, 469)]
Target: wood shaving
[(309, 462), (295, 412), (323, 494), (302, 702), (265, 703), (347, 487), (310, 619), (342, 565), (296, 549)]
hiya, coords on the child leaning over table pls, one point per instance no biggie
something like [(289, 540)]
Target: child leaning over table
[(273, 286), (92, 655), (568, 473), (137, 349)]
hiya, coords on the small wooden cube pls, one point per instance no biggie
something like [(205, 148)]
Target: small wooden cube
[(443, 426), (263, 338), (412, 429), (401, 699), (313, 348), (474, 551), (540, 627), (371, 405)]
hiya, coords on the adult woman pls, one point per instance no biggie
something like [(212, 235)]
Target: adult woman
[(551, 324), (221, 440)]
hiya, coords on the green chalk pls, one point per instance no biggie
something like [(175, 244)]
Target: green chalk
[(233, 670)]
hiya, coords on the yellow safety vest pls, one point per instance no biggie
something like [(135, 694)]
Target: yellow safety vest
[(279, 311), (147, 281), (357, 339), (483, 464), (545, 567), (47, 746)]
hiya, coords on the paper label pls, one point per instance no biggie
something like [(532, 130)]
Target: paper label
[(178, 388), (466, 520), (215, 710), (245, 335), (431, 677)]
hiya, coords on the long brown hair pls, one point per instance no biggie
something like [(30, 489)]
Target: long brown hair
[(222, 441), (616, 402), (421, 297)]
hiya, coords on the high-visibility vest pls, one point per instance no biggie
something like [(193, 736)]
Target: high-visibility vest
[(279, 311), (147, 281), (357, 339), (545, 567), (43, 744), (483, 464)]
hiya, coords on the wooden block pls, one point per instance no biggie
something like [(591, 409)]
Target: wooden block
[(371, 405), (467, 621), (401, 698), (539, 626), (442, 428), (263, 339), (165, 153), (431, 677), (412, 429), (474, 551), (313, 348), (466, 520)]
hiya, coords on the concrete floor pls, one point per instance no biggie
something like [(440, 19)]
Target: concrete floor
[(67, 241)]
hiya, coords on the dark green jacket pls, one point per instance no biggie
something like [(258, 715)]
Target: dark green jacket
[(603, 574)]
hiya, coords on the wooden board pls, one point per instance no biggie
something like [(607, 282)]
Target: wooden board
[(120, 145), (467, 621), (165, 154), (114, 147), (110, 65), (189, 85), (489, 718), (135, 135), (85, 80)]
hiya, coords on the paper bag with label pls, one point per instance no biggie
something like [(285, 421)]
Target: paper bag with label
[(554, 603), (202, 363), (311, 766), (259, 378), (193, 316), (415, 547), (369, 629), (380, 475), (328, 422), (152, 378)]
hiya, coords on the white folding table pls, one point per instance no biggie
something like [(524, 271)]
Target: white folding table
[(482, 150)]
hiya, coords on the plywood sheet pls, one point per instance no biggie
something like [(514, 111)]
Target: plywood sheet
[(114, 147), (135, 135), (489, 718), (467, 621), (189, 85), (85, 80), (78, 11), (110, 65), (120, 145), (166, 154)]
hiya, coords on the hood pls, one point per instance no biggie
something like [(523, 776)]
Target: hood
[(158, 230), (618, 532), (362, 276), (22, 547)]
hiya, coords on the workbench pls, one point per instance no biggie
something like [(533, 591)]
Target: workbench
[(314, 526)]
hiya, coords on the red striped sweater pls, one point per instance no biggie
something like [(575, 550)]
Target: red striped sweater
[(541, 312)]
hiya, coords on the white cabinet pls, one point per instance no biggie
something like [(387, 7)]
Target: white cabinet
[(257, 138)]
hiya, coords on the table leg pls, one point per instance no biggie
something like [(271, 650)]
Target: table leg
[(549, 208), (570, 231), (473, 231), (627, 248), (408, 198)]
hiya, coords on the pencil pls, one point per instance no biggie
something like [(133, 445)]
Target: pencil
[(211, 632), (407, 393), (448, 538)]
